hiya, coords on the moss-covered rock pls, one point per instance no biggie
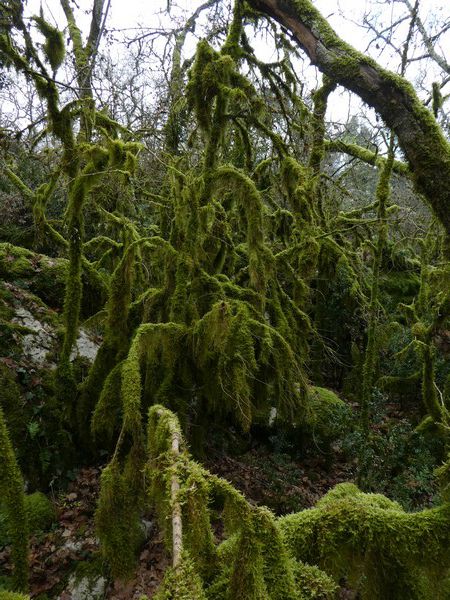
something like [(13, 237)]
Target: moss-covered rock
[(40, 514), (46, 277), (327, 415)]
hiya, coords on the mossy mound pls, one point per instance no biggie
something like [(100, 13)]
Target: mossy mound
[(40, 512), (327, 415), (181, 583), (46, 278), (40, 515)]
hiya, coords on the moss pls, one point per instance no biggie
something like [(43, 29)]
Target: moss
[(327, 416), (400, 286), (365, 155), (40, 515), (45, 277), (10, 401), (105, 418), (117, 521), (437, 98), (11, 487), (54, 47), (383, 192), (181, 583), (394, 97), (364, 537), (256, 563), (40, 512), (314, 583), (12, 596)]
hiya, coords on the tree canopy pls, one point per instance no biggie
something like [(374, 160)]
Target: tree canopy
[(198, 262)]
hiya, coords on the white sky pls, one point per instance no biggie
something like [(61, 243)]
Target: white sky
[(346, 17)]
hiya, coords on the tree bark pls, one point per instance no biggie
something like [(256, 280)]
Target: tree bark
[(394, 98)]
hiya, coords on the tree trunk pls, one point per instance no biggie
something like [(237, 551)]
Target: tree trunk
[(420, 137)]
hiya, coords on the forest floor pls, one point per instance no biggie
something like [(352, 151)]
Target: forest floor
[(275, 480)]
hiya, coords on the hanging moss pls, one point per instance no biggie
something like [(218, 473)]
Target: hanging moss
[(117, 520), (54, 47), (12, 497), (297, 180), (105, 418)]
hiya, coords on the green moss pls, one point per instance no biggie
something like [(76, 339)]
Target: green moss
[(40, 512), (54, 47), (181, 582), (327, 416), (12, 596), (437, 98), (383, 193), (117, 520), (400, 286), (10, 403), (40, 515), (314, 583), (364, 537), (106, 416), (11, 488), (45, 277)]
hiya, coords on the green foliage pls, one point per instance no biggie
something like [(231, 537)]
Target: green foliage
[(399, 460)]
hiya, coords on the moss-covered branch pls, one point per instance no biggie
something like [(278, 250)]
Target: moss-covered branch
[(420, 137)]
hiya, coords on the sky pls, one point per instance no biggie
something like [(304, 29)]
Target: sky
[(346, 17)]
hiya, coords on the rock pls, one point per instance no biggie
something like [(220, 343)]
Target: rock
[(86, 588), (39, 343), (43, 340), (85, 347), (147, 528)]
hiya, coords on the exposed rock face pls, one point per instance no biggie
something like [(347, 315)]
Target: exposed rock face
[(42, 340), (85, 588)]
